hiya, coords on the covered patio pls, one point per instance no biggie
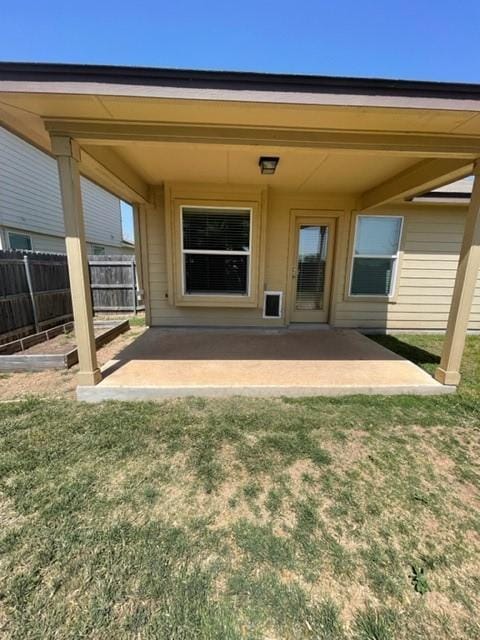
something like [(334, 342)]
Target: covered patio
[(164, 363), (168, 140)]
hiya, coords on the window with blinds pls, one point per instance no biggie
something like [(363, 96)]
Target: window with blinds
[(216, 251), (377, 242)]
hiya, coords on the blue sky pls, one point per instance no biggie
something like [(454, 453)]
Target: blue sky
[(419, 39), (415, 39), (126, 213)]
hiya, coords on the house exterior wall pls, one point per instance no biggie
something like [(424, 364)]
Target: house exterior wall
[(432, 236), (162, 311), (30, 200), (430, 247)]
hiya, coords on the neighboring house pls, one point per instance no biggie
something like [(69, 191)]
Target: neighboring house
[(270, 200), (457, 192), (31, 210)]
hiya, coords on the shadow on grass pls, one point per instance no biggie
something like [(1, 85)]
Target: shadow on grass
[(415, 354)]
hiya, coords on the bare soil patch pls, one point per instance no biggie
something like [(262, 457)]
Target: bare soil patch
[(63, 343), (62, 383)]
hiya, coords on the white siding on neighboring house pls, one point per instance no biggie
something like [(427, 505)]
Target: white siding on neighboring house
[(56, 244), (106, 228), (40, 242), (30, 200)]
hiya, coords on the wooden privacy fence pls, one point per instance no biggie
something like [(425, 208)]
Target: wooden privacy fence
[(35, 290), (114, 283)]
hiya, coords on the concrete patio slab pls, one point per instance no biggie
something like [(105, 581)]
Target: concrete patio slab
[(165, 363)]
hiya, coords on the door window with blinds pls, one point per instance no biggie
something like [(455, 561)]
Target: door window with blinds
[(375, 256), (216, 251), (311, 267)]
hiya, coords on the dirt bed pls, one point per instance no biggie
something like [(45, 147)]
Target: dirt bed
[(61, 383), (63, 343)]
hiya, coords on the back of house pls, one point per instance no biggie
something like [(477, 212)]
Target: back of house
[(270, 200), (31, 216)]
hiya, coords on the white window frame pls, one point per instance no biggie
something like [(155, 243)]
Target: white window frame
[(395, 257), (217, 252), (19, 233)]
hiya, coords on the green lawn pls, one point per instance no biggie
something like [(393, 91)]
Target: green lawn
[(354, 518)]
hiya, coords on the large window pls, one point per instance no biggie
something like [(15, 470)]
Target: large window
[(20, 241), (375, 255), (216, 245)]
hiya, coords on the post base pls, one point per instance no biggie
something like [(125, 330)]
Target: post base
[(447, 377), (89, 378)]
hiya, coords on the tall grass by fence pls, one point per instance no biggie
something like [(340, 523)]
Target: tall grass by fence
[(35, 290)]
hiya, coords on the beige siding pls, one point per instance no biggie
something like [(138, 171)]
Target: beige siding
[(276, 259), (431, 242), (162, 312)]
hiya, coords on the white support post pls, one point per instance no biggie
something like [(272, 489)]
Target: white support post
[(67, 152), (467, 273)]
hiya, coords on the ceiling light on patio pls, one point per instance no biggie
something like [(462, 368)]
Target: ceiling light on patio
[(268, 164)]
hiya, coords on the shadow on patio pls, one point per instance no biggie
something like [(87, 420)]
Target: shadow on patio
[(253, 344)]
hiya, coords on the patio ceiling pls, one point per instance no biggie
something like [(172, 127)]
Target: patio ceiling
[(303, 170), (306, 169), (377, 147)]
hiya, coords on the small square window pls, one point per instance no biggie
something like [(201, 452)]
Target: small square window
[(20, 241)]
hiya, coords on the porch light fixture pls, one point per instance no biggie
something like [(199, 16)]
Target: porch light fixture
[(268, 165)]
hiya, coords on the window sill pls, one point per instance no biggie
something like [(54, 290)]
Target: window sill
[(216, 301), (371, 298)]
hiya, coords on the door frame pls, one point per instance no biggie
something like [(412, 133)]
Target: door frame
[(309, 215)]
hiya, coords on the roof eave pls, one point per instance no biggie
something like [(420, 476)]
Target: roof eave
[(234, 80)]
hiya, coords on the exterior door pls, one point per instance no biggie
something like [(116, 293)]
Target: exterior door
[(312, 269)]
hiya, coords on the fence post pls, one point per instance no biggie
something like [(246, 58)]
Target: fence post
[(134, 288), (31, 292), (90, 281)]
